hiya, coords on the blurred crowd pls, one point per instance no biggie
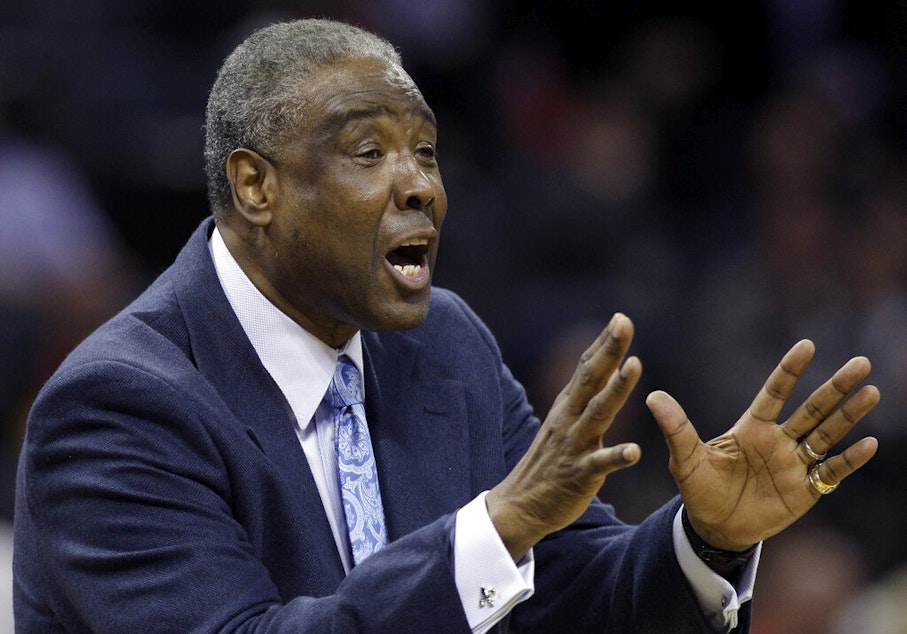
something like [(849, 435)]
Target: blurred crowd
[(732, 176)]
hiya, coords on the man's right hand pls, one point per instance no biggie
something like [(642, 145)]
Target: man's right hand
[(567, 463)]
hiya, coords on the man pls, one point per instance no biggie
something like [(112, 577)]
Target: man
[(180, 471)]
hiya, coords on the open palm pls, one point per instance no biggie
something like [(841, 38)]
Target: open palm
[(752, 481)]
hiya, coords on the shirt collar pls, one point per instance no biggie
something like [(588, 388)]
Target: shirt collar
[(301, 364)]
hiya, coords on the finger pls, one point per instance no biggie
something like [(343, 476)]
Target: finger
[(836, 426), (780, 383), (679, 433), (835, 469), (609, 459), (603, 407), (826, 398), (598, 363)]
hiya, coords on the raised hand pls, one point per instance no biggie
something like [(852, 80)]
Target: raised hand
[(757, 478), (567, 463)]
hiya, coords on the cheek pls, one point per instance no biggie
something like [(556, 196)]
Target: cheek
[(439, 212), (294, 260), (339, 220), (439, 207)]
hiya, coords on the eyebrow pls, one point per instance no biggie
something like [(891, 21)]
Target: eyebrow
[(345, 117)]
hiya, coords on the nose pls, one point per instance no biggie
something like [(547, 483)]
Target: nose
[(414, 188)]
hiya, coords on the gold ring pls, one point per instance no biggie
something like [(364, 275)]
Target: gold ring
[(817, 457), (819, 484)]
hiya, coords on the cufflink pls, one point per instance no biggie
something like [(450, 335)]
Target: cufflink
[(488, 595)]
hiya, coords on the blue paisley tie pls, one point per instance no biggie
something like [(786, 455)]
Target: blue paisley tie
[(356, 469)]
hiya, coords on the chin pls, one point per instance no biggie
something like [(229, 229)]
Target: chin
[(402, 316)]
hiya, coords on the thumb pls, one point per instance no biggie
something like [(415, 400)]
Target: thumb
[(678, 431)]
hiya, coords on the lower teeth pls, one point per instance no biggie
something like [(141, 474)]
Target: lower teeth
[(409, 270)]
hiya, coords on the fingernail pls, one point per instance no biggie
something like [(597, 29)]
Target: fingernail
[(628, 454)]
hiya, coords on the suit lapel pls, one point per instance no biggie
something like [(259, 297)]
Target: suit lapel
[(417, 419), (227, 358)]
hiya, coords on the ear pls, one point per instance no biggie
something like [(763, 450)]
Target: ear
[(252, 181)]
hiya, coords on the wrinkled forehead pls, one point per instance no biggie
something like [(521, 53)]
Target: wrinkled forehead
[(361, 86)]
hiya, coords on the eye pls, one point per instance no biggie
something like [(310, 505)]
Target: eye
[(370, 154), (427, 151)]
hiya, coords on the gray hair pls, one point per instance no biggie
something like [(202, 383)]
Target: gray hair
[(255, 100)]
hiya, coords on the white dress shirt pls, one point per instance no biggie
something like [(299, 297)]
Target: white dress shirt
[(302, 366)]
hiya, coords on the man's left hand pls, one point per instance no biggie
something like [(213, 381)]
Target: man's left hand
[(753, 481)]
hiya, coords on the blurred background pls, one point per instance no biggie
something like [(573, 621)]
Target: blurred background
[(730, 175)]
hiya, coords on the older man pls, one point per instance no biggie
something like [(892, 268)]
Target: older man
[(290, 430)]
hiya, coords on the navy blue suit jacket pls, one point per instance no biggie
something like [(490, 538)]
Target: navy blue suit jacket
[(162, 487)]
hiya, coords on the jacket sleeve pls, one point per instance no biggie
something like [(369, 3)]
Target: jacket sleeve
[(128, 521), (599, 574)]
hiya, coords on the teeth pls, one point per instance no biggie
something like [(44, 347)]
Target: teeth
[(410, 270), (415, 242)]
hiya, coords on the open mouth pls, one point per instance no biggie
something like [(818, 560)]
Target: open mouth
[(410, 257)]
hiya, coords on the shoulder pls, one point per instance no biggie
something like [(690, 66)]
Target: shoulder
[(147, 334), (447, 309), (453, 327), (145, 354), (154, 332)]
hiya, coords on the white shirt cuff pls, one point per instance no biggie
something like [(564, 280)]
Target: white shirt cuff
[(719, 599), (489, 582)]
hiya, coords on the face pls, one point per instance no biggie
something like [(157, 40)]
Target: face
[(355, 206)]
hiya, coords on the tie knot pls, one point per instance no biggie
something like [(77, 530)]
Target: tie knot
[(347, 381)]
